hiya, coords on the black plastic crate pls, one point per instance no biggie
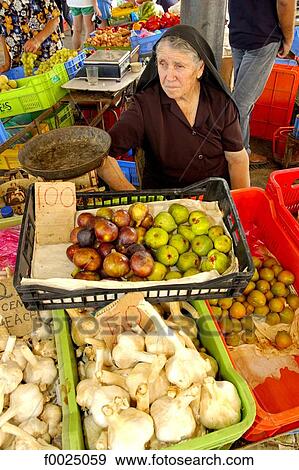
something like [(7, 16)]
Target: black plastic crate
[(38, 297)]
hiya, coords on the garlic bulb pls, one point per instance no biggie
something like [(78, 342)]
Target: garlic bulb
[(39, 370), (105, 395), (102, 442), (220, 404), (130, 350), (91, 432), (35, 427), (214, 365), (187, 324), (10, 377), (45, 348), (85, 392), (26, 401), (17, 355), (83, 325), (130, 429), (24, 440), (51, 415), (173, 417)]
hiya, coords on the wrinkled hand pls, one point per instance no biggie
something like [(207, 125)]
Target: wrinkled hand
[(32, 45), (284, 49)]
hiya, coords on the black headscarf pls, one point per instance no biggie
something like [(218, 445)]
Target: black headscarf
[(194, 38)]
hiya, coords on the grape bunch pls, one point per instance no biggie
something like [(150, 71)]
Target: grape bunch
[(28, 60), (59, 57)]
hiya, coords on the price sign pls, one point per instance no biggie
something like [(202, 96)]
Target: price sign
[(55, 209)]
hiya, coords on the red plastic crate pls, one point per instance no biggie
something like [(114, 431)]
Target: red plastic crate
[(279, 142), (277, 400), (283, 188), (275, 106)]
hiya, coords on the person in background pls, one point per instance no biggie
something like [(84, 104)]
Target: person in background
[(28, 27), (164, 3), (65, 14), (258, 32), (105, 7), (82, 12), (183, 117)]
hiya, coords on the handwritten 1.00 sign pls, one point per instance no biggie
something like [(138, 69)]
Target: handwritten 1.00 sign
[(55, 209)]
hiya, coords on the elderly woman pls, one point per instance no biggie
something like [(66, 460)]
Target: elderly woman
[(30, 26), (183, 117)]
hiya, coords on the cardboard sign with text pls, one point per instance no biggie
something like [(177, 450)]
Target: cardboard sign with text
[(16, 318), (55, 209), (121, 316)]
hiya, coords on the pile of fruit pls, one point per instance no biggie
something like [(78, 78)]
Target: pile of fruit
[(29, 61), (148, 9), (110, 37), (6, 84), (267, 298), (133, 245), (167, 20), (123, 10)]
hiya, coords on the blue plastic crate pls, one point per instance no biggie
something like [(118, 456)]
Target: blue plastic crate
[(3, 134), (146, 44), (15, 73), (129, 170), (286, 62), (72, 66)]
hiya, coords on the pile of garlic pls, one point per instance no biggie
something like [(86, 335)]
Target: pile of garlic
[(151, 389), (29, 416)]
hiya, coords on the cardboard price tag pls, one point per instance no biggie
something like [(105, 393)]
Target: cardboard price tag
[(55, 209), (17, 319)]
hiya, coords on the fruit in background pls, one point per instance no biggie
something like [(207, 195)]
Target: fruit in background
[(142, 263), (147, 222), (286, 277), (256, 298), (213, 301), (201, 245), (234, 339), (272, 319), (105, 213), (201, 227), (74, 234), (250, 287), (188, 260), (249, 337), (28, 60), (237, 326), (167, 255), (134, 248), (279, 289), (191, 272), (287, 315), (156, 237), (276, 305), (225, 303), (127, 236), (255, 276), (186, 232), (179, 213), (172, 275), (267, 274), (87, 259), (261, 311), (116, 265), (257, 262), (226, 325), (269, 262), (247, 323), (165, 221), (70, 251), (276, 268), (86, 220), (141, 231), (61, 56), (138, 212), (215, 231), (179, 242), (223, 243), (237, 310), (216, 311), (121, 218), (293, 301), (263, 286), (87, 276), (283, 340), (158, 273), (86, 237), (195, 216), (215, 260), (105, 248), (105, 230)]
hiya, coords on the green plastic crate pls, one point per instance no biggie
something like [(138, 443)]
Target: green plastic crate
[(209, 338), (62, 118), (34, 93)]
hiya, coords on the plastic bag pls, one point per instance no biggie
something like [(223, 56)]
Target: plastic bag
[(9, 239)]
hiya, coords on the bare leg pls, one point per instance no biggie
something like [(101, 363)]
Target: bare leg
[(77, 31), (88, 25)]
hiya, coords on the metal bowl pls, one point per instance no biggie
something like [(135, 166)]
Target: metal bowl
[(65, 153)]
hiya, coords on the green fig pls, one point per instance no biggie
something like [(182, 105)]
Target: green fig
[(179, 212)]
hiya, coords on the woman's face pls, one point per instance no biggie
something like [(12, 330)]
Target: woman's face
[(178, 72)]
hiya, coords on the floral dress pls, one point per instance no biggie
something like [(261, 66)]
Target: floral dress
[(21, 20)]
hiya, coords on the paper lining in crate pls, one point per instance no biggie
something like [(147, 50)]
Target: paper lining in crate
[(48, 260)]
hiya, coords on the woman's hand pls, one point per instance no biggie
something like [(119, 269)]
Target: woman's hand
[(32, 45)]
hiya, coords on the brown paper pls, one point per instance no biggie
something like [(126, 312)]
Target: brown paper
[(55, 209), (17, 319), (121, 316)]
